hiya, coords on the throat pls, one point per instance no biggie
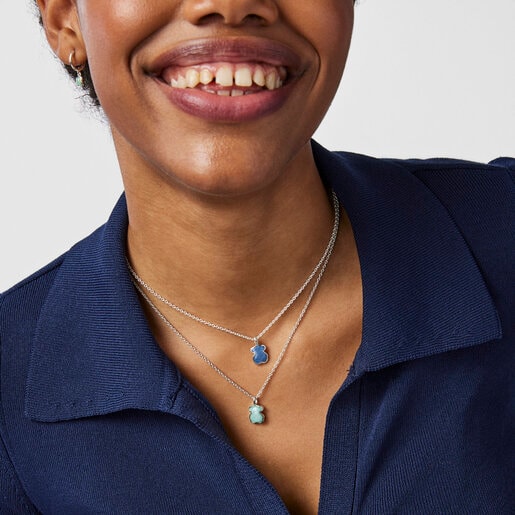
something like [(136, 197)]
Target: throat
[(256, 277)]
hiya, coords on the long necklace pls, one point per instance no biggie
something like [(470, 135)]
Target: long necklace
[(256, 410), (260, 356), (256, 415)]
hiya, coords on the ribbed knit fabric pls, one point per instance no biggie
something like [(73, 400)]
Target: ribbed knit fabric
[(95, 419)]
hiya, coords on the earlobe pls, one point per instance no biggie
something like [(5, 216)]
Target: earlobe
[(62, 29)]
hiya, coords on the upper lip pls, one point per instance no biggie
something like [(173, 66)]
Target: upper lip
[(233, 50)]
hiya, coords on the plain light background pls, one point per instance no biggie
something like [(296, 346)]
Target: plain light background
[(425, 78)]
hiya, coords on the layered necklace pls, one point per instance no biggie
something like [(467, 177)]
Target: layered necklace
[(260, 356)]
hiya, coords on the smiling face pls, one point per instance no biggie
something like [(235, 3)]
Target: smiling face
[(220, 96)]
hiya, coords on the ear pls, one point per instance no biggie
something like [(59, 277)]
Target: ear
[(62, 29)]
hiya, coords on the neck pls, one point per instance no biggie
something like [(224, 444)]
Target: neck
[(229, 259)]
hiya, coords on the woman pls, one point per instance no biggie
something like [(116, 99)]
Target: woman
[(262, 325)]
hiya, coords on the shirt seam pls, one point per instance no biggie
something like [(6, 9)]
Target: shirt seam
[(360, 408), (236, 456), (208, 408)]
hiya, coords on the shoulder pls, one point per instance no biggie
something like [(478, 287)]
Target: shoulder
[(415, 204), (503, 168), (435, 172), (24, 299), (33, 280), (19, 312), (478, 198), (465, 183), (22, 316), (474, 194), (22, 304), (27, 297)]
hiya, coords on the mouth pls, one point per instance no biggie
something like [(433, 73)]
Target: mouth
[(228, 80)]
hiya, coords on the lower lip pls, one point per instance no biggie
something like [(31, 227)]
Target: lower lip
[(216, 108)]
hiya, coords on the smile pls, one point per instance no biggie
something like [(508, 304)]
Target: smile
[(228, 80)]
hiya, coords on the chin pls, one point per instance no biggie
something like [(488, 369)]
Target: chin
[(228, 172), (226, 182)]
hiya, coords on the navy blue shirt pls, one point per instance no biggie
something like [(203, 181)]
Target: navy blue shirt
[(94, 418)]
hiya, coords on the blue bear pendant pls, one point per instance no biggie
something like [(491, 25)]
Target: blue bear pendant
[(260, 355), (256, 414)]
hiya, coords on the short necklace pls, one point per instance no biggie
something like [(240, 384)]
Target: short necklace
[(259, 353), (256, 415)]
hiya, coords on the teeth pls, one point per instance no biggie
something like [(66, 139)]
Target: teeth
[(236, 93), (206, 76), (192, 78), (223, 93), (259, 76), (180, 82), (224, 76), (243, 77), (271, 80), (227, 76)]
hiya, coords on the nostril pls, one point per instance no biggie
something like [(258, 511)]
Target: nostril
[(252, 20), (235, 13), (211, 18), (255, 20)]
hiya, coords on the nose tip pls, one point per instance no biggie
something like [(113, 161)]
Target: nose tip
[(231, 12)]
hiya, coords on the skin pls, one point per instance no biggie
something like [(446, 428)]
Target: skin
[(215, 216)]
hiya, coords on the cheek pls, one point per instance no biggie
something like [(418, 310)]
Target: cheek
[(112, 29), (114, 19), (327, 26), (332, 31)]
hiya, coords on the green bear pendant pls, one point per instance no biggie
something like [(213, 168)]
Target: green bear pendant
[(256, 414)]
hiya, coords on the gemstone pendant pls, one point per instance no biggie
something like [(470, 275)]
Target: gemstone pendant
[(256, 414), (260, 355)]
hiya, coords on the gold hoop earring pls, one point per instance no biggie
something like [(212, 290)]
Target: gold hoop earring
[(79, 80)]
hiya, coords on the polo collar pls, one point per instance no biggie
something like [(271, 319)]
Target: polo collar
[(93, 352), (423, 292)]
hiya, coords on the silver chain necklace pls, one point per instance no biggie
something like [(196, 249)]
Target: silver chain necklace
[(256, 415), (260, 356)]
